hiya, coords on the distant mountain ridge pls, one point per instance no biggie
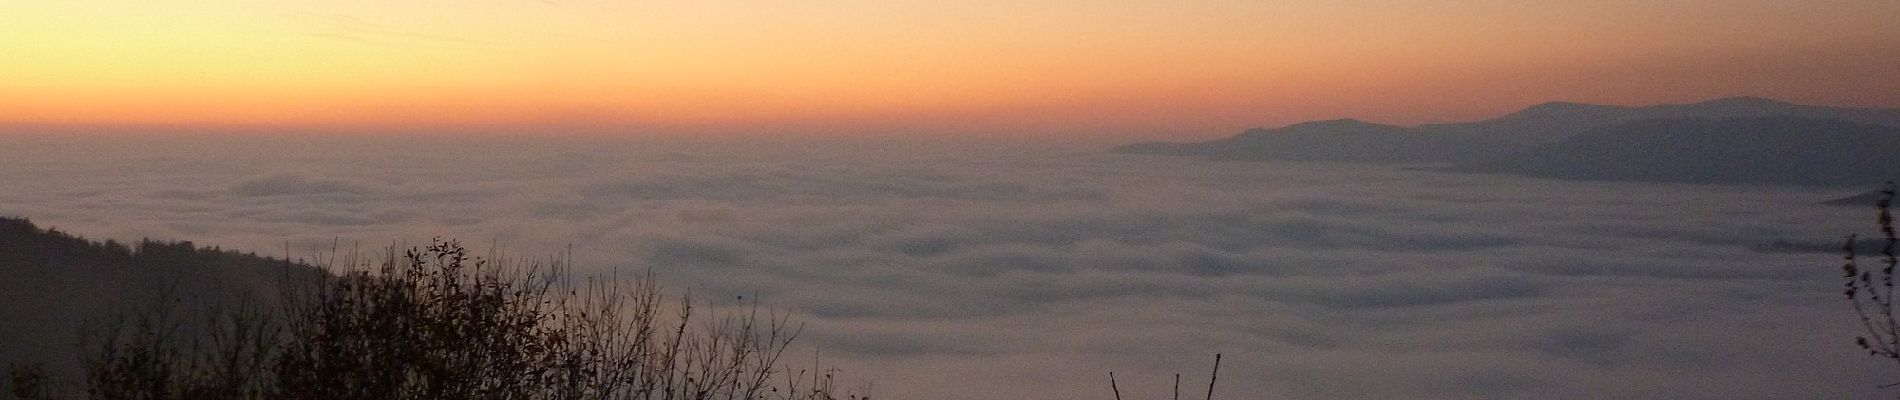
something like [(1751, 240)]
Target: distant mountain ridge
[(1554, 121), (1481, 141), (1769, 150)]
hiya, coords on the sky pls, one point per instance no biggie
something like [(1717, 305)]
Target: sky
[(1195, 68)]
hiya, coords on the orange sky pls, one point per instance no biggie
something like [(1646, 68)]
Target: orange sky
[(1188, 68)]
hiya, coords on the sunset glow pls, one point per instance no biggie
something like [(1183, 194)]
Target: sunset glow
[(1200, 68), (949, 199)]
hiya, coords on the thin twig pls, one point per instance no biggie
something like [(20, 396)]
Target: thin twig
[(1111, 385), (1214, 376)]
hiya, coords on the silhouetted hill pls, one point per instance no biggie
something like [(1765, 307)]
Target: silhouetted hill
[(1351, 140), (1555, 121), (1778, 150), (54, 285)]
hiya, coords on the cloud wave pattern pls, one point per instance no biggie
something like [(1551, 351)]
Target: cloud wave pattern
[(976, 270)]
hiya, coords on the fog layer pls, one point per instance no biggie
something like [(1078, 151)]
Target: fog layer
[(1017, 270)]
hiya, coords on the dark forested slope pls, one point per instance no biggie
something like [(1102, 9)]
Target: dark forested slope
[(56, 287)]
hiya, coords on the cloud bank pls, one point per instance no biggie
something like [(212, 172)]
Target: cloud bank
[(1005, 270)]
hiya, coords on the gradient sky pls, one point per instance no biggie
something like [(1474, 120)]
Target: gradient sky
[(1191, 68)]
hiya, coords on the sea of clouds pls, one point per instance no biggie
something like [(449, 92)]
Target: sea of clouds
[(965, 269)]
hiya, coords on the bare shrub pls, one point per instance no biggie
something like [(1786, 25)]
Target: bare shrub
[(435, 323), (1871, 289)]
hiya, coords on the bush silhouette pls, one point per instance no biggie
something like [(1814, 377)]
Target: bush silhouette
[(435, 323), (1871, 290)]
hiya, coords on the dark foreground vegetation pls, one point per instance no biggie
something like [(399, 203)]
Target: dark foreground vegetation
[(1871, 290), (423, 323), (57, 289)]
